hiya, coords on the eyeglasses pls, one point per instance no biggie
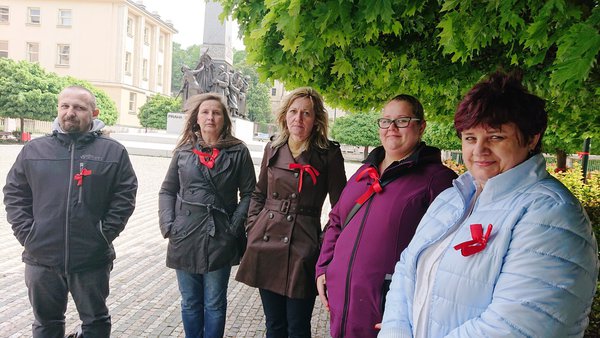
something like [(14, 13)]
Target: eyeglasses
[(401, 122)]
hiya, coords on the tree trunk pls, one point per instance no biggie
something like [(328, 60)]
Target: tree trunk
[(365, 152), (561, 160)]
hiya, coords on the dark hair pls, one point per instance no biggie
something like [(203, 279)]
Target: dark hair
[(500, 99), (191, 109), (417, 107), (318, 136)]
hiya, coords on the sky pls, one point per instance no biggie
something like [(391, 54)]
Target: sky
[(187, 17)]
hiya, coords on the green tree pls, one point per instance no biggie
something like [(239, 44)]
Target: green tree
[(360, 53), (30, 92), (357, 129), (257, 96), (441, 135), (182, 57), (153, 114)]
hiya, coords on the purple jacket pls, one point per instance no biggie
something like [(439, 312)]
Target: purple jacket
[(357, 259)]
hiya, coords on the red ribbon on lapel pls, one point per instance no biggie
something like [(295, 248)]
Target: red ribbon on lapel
[(309, 169), (478, 242), (375, 186), (207, 159), (79, 177)]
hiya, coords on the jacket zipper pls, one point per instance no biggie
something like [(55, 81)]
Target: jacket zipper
[(67, 214), (81, 165), (349, 271)]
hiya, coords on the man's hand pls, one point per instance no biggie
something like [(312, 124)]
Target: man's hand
[(322, 289)]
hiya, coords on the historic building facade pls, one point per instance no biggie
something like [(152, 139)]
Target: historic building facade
[(117, 45)]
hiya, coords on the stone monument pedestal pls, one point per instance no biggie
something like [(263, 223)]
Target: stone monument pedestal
[(242, 129)]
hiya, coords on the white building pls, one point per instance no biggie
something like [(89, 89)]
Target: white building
[(117, 45)]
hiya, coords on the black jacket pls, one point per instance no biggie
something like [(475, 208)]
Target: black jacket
[(60, 224), (199, 210)]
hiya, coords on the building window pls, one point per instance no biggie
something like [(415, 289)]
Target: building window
[(132, 99), (33, 15), (33, 51), (3, 49), (161, 43), (146, 35), (127, 63), (4, 14), (145, 70), (159, 75), (130, 26), (65, 18), (273, 91), (64, 51)]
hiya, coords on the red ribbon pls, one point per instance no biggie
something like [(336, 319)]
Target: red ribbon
[(309, 169), (478, 242), (79, 177), (375, 186), (207, 159)]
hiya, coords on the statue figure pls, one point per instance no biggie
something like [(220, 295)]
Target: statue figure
[(243, 82), (234, 92), (205, 72), (190, 84), (220, 83)]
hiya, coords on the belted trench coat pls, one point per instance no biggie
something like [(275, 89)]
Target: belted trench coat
[(284, 221), (199, 211)]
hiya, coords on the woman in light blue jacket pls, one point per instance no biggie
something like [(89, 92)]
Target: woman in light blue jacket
[(508, 251)]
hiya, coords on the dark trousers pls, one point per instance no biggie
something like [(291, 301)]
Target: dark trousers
[(48, 294), (286, 317)]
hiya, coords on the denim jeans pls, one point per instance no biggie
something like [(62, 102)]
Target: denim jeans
[(286, 317), (48, 291), (203, 302)]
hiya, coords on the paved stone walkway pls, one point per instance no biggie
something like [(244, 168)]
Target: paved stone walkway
[(144, 300)]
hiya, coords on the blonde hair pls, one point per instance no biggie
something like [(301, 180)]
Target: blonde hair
[(191, 128), (318, 135)]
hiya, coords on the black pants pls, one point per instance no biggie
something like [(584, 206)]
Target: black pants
[(48, 294), (286, 317)]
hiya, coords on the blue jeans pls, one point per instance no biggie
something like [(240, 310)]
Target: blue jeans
[(286, 317), (204, 302)]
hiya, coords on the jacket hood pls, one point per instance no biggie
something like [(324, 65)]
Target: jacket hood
[(97, 125)]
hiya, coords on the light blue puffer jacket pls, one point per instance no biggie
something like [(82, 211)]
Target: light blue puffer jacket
[(536, 277)]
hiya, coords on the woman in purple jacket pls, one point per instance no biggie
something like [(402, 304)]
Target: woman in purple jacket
[(376, 217)]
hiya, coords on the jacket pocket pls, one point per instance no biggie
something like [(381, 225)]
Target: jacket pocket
[(29, 234), (102, 232)]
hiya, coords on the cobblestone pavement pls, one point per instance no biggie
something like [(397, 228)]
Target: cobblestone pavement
[(144, 300)]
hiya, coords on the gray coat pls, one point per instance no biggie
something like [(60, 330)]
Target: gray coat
[(199, 211)]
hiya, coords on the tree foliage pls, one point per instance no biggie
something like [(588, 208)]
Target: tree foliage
[(441, 135), (30, 92), (360, 53), (153, 114), (257, 97), (357, 129)]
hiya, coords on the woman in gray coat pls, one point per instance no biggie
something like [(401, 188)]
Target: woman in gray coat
[(200, 213)]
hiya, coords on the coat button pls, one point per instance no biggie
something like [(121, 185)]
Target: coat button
[(265, 238), (293, 195), (285, 240), (184, 233), (187, 212), (290, 218), (275, 195), (296, 175), (271, 215)]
